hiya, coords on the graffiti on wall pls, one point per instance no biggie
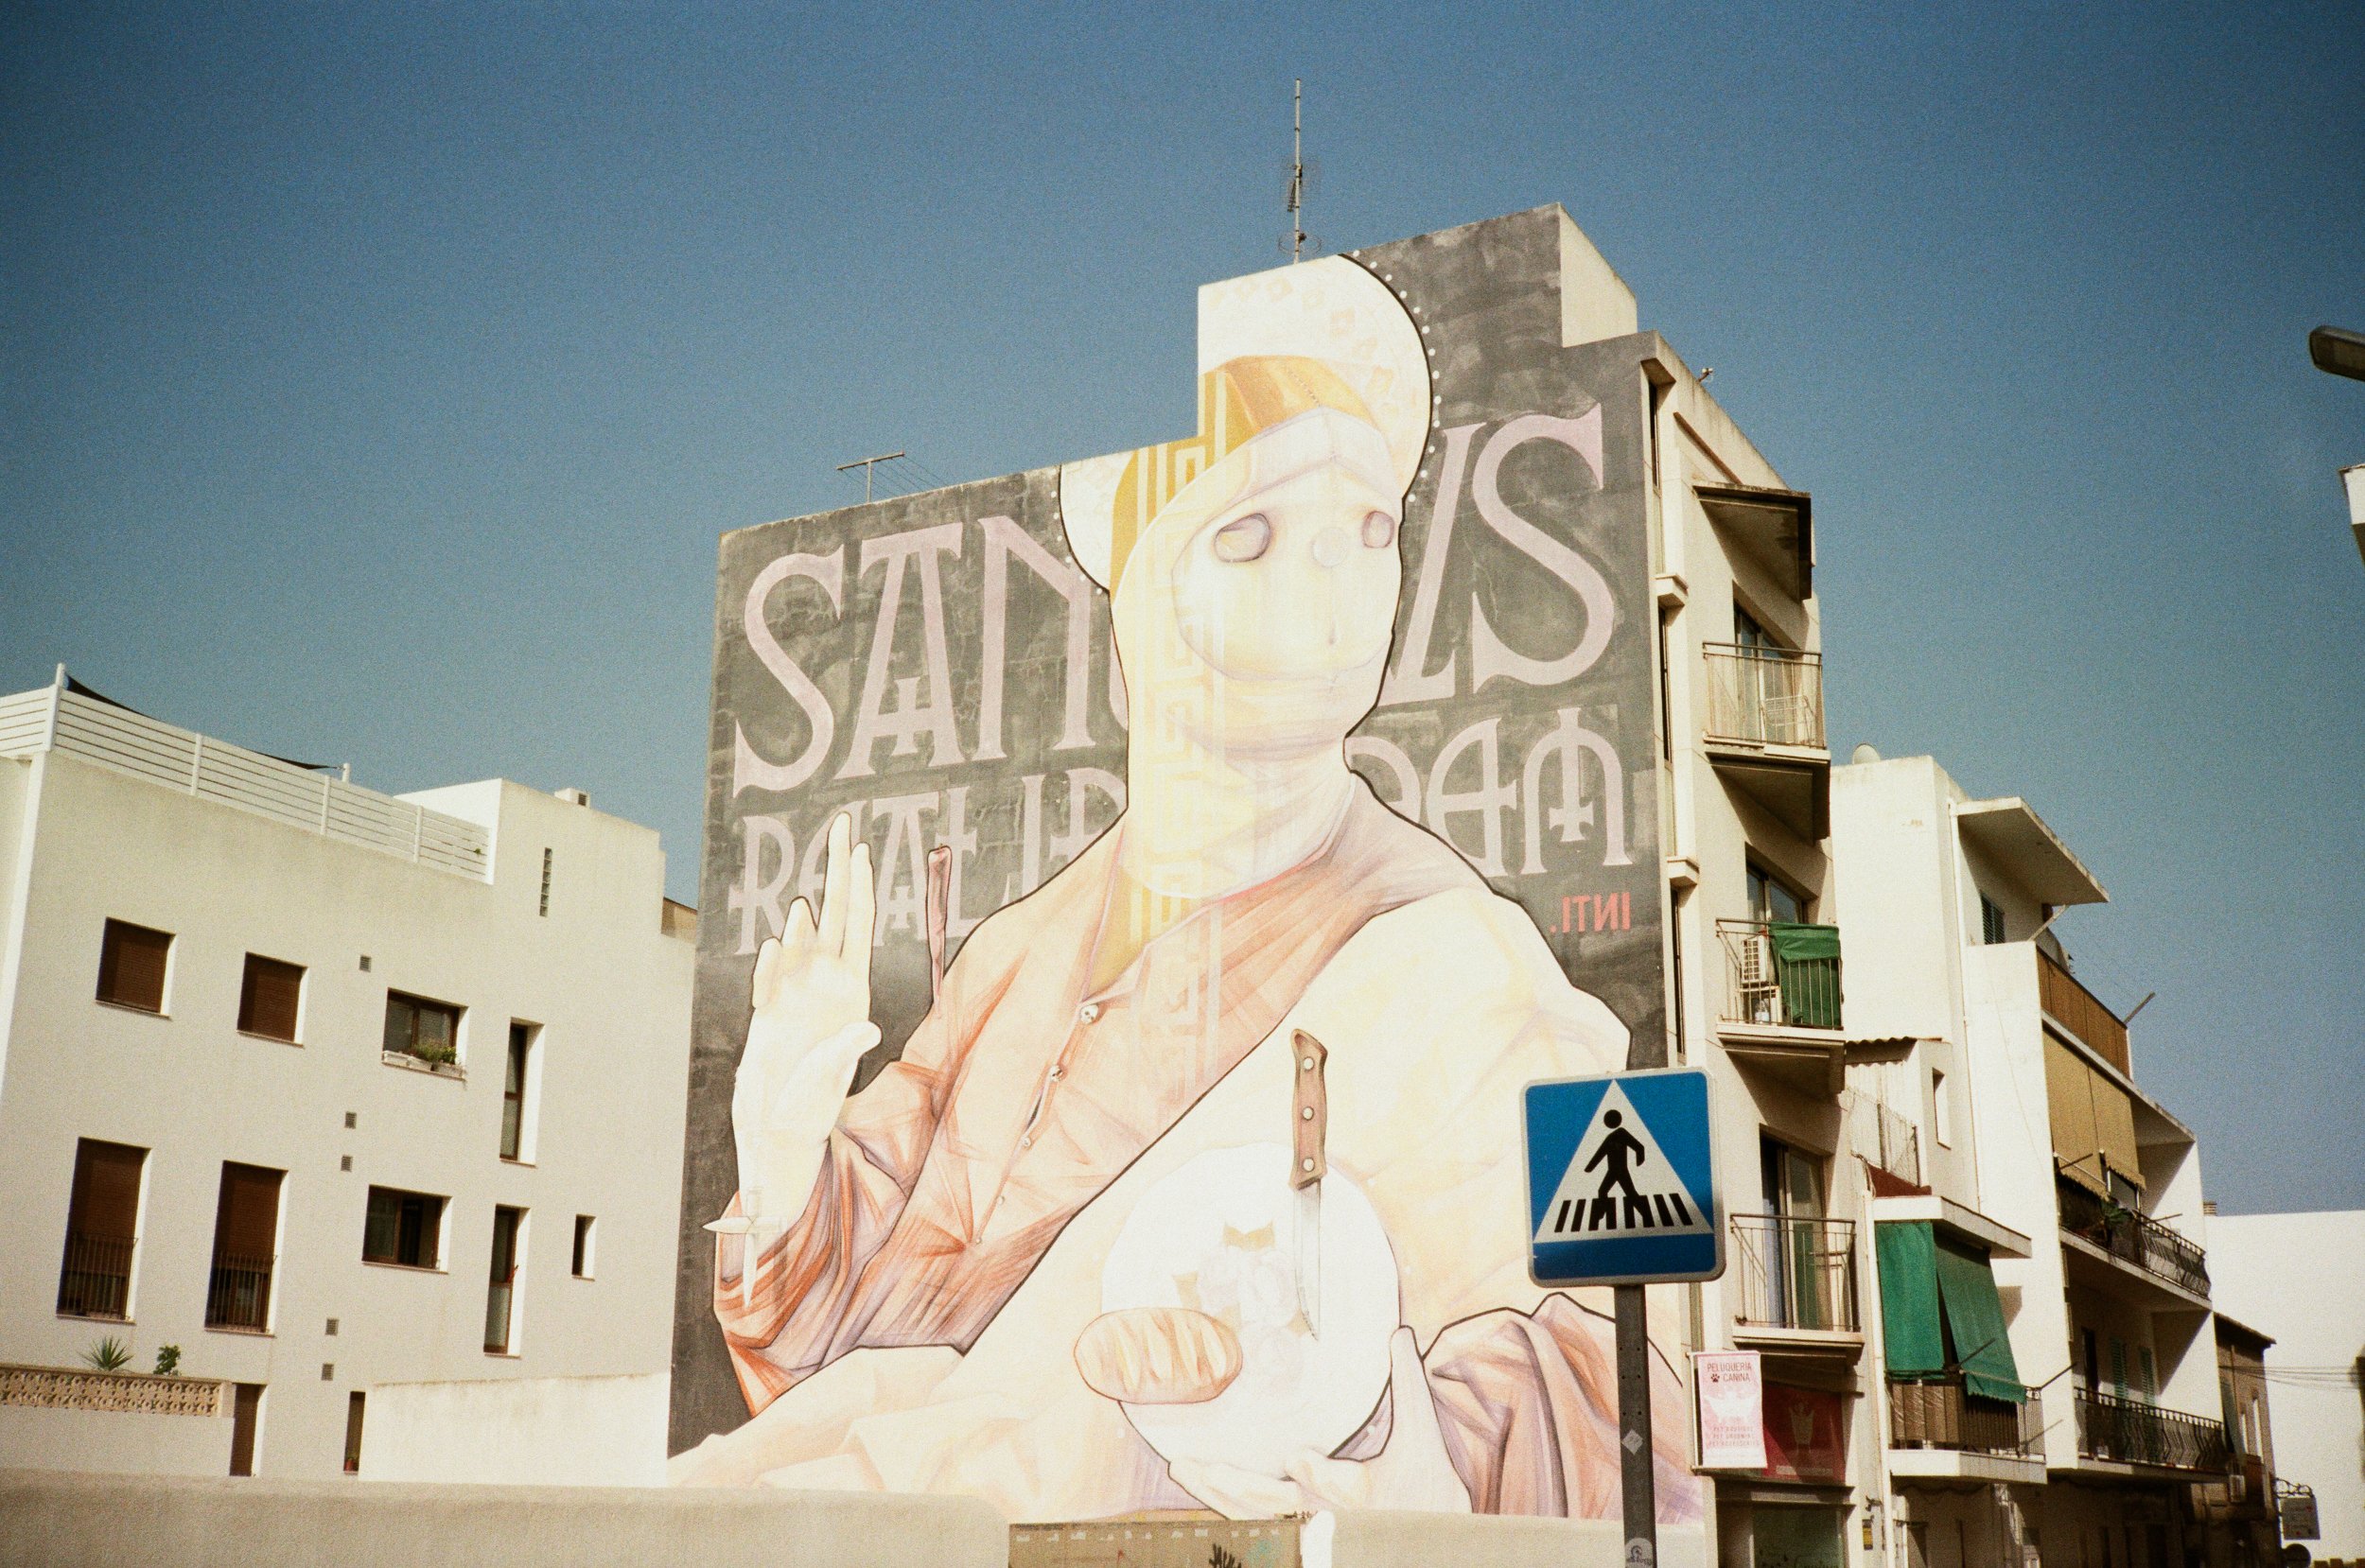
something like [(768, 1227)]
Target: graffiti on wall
[(1145, 886)]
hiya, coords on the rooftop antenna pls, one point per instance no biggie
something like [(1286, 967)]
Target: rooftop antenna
[(1299, 240), (868, 466)]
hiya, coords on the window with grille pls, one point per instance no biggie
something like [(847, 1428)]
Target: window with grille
[(132, 964), (1990, 921), (101, 1230), (269, 997), (403, 1228), (246, 1248)]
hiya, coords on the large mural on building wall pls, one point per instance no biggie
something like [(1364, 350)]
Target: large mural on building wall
[(1138, 891)]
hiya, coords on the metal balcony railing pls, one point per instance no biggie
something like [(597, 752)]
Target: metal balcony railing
[(2132, 1237), (1763, 986), (2131, 1433), (1884, 1140), (2082, 1012), (1794, 1273), (1764, 696), (1941, 1415), (239, 1294), (95, 1279)]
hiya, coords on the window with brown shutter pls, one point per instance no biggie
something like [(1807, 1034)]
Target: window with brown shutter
[(267, 998), (101, 1230), (246, 1244), (131, 965)]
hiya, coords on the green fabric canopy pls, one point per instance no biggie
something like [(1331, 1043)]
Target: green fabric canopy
[(1934, 1292), (1975, 1320), (1806, 963), (1907, 1253)]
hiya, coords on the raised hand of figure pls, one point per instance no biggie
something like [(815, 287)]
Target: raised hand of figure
[(809, 1027)]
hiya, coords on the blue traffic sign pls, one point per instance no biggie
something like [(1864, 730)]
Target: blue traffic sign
[(1621, 1179)]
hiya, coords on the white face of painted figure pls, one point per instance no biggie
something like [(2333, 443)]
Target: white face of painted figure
[(1283, 598)]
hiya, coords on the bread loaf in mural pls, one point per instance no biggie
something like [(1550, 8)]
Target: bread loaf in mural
[(1158, 1355)]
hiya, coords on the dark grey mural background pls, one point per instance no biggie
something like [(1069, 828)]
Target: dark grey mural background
[(1516, 720)]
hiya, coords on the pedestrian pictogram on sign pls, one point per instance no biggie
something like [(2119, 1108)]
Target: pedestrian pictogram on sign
[(1620, 1180)]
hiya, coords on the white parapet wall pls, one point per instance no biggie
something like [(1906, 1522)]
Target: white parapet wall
[(552, 1431), (54, 1520)]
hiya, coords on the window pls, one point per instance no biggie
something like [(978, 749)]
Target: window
[(516, 1094), (2149, 1371), (267, 998), (246, 1427), (246, 1244), (1990, 921), (586, 1237), (416, 1027), (1941, 1114), (500, 1293), (1771, 898), (1749, 633), (403, 1228), (131, 962), (101, 1230), (546, 883), (2118, 1367), (354, 1401)]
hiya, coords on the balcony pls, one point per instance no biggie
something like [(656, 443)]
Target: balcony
[(95, 1279), (1793, 1278), (2132, 1238), (1942, 1415), (2128, 1431), (2080, 1012), (1889, 1146), (238, 1298), (1765, 730)]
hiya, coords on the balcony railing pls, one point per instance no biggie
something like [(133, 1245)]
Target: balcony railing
[(2131, 1432), (240, 1296), (1886, 1141), (1764, 696), (2082, 1012), (2132, 1237), (57, 718), (95, 1280), (1794, 1273), (1763, 984), (1941, 1415)]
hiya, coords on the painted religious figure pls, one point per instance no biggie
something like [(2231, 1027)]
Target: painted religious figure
[(1197, 1187)]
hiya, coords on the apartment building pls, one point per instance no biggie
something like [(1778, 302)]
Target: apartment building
[(2042, 1363), (309, 1088)]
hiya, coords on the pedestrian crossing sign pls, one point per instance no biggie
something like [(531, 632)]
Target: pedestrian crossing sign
[(1622, 1180)]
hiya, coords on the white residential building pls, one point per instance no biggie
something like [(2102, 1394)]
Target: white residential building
[(2043, 1192), (2301, 1278), (327, 1088)]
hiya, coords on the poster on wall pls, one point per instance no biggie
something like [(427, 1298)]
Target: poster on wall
[(1730, 1386), (1138, 890)]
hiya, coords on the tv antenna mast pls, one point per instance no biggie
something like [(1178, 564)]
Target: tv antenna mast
[(1301, 178), (868, 467)]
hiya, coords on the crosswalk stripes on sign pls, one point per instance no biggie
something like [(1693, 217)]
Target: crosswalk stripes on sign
[(1619, 1183)]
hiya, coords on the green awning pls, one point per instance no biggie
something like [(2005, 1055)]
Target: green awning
[(1806, 963), (1975, 1320), (1906, 1254)]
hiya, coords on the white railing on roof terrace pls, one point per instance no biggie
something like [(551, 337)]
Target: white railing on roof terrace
[(56, 719)]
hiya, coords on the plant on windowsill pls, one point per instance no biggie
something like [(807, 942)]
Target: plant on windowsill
[(436, 1055), (109, 1355), (168, 1361)]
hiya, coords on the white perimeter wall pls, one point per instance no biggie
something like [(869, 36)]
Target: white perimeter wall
[(567, 1432)]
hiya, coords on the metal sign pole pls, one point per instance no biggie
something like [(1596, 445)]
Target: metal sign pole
[(1634, 1429)]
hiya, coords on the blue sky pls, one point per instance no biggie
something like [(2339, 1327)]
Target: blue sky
[(376, 380)]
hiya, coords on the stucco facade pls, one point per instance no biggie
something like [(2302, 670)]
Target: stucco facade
[(550, 916)]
